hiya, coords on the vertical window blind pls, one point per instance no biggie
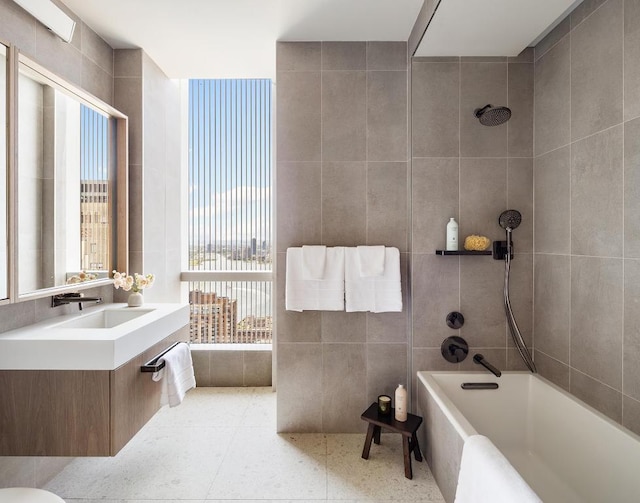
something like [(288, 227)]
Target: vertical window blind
[(230, 209), (95, 226)]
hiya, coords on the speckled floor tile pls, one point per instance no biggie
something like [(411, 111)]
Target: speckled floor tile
[(159, 463), (381, 477), (261, 410), (262, 464), (206, 407), (220, 445)]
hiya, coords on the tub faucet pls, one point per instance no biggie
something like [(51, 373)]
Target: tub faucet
[(67, 298), (479, 359)]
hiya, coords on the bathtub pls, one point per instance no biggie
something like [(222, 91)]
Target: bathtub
[(565, 450)]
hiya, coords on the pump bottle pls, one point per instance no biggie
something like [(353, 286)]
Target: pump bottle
[(401, 403)]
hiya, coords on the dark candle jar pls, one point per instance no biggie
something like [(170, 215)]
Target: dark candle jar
[(384, 405)]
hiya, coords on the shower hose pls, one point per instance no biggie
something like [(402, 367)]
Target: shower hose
[(511, 320)]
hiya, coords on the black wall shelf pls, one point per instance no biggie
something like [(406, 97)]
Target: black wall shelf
[(463, 252)]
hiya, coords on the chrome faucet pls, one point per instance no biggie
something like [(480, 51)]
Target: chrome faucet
[(479, 359), (67, 298)]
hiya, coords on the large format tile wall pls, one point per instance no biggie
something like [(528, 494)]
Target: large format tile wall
[(152, 102), (88, 63), (472, 172), (342, 180), (587, 207)]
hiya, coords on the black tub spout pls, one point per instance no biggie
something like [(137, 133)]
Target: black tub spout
[(479, 359)]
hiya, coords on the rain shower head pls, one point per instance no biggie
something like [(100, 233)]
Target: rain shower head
[(492, 116), (509, 219)]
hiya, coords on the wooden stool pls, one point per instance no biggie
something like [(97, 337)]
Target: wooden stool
[(407, 429)]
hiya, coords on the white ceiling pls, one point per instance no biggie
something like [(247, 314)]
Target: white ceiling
[(490, 27), (236, 38)]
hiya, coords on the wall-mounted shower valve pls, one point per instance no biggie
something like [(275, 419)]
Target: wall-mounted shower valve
[(500, 250)]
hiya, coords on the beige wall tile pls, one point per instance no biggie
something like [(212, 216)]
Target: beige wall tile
[(632, 189), (344, 387), (435, 192), (298, 56), (552, 203), (631, 344), (596, 194), (298, 119), (344, 116), (482, 84), (601, 397), (520, 125), (298, 204), (300, 387), (344, 56), (387, 116), (597, 71), (387, 204), (552, 98), (596, 318), (552, 318), (343, 203), (387, 56), (435, 104)]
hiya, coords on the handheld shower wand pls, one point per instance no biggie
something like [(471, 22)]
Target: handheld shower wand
[(510, 220)]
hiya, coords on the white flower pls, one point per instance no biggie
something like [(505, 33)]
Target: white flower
[(136, 282)]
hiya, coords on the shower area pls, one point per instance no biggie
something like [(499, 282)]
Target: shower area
[(472, 159)]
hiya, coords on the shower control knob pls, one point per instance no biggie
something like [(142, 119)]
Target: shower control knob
[(454, 349), (455, 320)]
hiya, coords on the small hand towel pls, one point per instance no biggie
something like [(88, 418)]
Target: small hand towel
[(378, 294), (325, 294), (313, 261), (177, 376), (486, 475), (371, 260)]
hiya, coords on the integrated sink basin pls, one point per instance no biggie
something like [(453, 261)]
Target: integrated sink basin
[(100, 337), (107, 318)]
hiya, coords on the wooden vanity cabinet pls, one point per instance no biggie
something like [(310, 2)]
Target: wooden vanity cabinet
[(78, 412)]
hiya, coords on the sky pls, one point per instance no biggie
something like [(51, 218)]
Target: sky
[(229, 161)]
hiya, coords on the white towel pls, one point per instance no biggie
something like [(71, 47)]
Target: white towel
[(371, 260), (177, 376), (325, 294), (486, 475), (313, 261), (378, 294)]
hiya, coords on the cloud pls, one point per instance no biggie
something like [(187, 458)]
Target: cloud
[(237, 214)]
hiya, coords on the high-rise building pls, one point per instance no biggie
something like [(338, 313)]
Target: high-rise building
[(213, 319)]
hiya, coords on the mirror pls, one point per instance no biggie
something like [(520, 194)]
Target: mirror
[(68, 168), (4, 244)]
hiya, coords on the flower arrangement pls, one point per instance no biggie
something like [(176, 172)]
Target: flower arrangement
[(134, 283), (81, 277)]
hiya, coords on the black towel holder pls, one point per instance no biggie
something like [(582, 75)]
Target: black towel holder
[(154, 365)]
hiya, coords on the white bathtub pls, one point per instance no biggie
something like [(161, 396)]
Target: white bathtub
[(565, 450)]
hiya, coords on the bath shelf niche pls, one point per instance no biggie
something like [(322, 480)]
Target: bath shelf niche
[(463, 252)]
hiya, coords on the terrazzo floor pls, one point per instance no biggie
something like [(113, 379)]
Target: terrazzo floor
[(221, 444)]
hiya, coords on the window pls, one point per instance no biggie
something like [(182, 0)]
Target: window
[(94, 190), (230, 246)]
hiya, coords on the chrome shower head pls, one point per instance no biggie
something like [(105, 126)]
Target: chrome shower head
[(510, 219), (492, 116)]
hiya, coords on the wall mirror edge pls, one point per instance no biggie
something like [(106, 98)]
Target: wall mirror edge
[(117, 181)]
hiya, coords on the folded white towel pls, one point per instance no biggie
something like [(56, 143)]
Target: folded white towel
[(313, 261), (377, 294), (177, 376), (371, 260), (486, 475), (325, 294)]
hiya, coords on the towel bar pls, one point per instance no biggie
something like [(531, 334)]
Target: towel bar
[(153, 365)]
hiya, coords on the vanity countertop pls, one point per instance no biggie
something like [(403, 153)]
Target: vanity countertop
[(54, 344)]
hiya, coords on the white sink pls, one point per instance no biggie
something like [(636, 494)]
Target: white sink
[(108, 318), (102, 337)]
